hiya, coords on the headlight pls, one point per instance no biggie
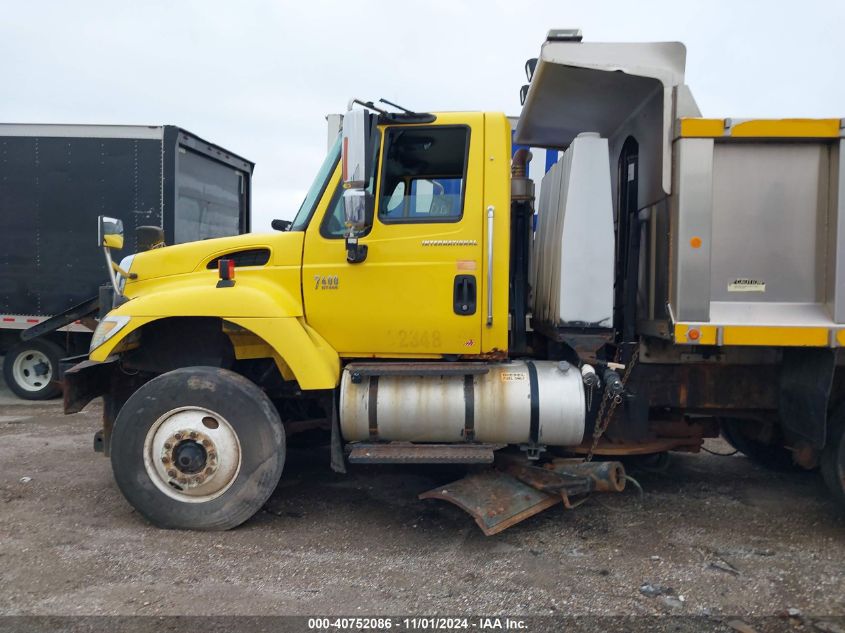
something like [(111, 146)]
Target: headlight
[(107, 328), (125, 264)]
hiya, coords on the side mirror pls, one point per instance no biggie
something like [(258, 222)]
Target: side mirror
[(110, 232), (281, 225), (110, 236), (356, 153), (357, 169)]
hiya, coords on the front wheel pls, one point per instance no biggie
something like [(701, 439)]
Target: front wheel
[(198, 448), (31, 369)]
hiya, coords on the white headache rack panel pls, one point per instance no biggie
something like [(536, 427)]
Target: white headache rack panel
[(572, 254)]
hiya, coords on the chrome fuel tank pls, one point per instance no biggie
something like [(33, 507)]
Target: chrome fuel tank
[(519, 402)]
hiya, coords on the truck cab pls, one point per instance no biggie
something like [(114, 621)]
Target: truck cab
[(434, 282)]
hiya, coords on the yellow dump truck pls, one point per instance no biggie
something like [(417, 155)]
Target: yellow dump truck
[(673, 278)]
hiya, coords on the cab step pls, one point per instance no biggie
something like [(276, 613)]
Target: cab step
[(410, 453)]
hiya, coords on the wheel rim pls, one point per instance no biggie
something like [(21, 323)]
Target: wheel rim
[(32, 370), (192, 454)]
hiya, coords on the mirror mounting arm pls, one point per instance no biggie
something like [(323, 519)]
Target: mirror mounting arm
[(111, 268), (123, 273), (355, 252)]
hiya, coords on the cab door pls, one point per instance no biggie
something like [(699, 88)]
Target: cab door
[(418, 293)]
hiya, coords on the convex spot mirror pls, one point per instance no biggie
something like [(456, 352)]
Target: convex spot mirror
[(110, 232)]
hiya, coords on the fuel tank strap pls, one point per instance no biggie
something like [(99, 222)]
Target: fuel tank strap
[(534, 420), (469, 408), (372, 407)]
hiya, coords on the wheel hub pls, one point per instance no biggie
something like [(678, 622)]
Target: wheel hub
[(192, 454), (189, 456), (31, 370)]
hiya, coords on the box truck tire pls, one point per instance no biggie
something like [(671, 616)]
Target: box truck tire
[(833, 456), (31, 369), (198, 448)]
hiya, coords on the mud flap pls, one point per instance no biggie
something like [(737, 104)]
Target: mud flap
[(494, 499), (338, 463), (516, 489)]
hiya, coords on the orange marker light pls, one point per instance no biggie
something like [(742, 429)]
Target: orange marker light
[(693, 335), (695, 242)]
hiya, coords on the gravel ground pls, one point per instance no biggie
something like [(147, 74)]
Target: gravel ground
[(712, 535)]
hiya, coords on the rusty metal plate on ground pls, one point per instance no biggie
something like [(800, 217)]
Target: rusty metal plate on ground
[(494, 499)]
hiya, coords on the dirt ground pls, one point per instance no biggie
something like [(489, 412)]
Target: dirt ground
[(716, 536)]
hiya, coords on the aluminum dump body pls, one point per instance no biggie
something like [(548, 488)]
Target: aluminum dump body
[(757, 223), (734, 228)]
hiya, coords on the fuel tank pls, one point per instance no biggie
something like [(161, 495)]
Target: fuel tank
[(518, 402)]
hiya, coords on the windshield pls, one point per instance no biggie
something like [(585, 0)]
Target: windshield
[(300, 222)]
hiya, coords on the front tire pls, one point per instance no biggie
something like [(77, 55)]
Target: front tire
[(198, 448), (31, 369)]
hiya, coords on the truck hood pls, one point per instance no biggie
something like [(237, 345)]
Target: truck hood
[(252, 249)]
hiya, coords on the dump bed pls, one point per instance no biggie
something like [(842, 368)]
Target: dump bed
[(724, 231), (757, 255)]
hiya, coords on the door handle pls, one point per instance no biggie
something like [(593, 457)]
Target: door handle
[(464, 295)]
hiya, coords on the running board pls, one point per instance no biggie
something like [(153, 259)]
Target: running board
[(410, 453)]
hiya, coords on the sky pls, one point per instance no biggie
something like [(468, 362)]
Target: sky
[(259, 76)]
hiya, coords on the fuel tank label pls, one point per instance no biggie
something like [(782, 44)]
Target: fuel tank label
[(511, 376)]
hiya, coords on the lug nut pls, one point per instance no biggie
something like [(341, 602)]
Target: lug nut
[(193, 435), (168, 446), (209, 470), (178, 436), (206, 443), (183, 480), (165, 459), (171, 473)]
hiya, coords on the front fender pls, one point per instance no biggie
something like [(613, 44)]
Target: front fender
[(266, 310), (314, 363)]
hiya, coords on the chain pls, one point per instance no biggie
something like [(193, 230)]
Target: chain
[(602, 419)]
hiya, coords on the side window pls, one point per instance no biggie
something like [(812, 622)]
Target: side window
[(334, 224), (423, 174)]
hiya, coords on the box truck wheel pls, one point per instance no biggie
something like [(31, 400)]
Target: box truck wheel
[(31, 369), (833, 456), (773, 456), (198, 448)]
